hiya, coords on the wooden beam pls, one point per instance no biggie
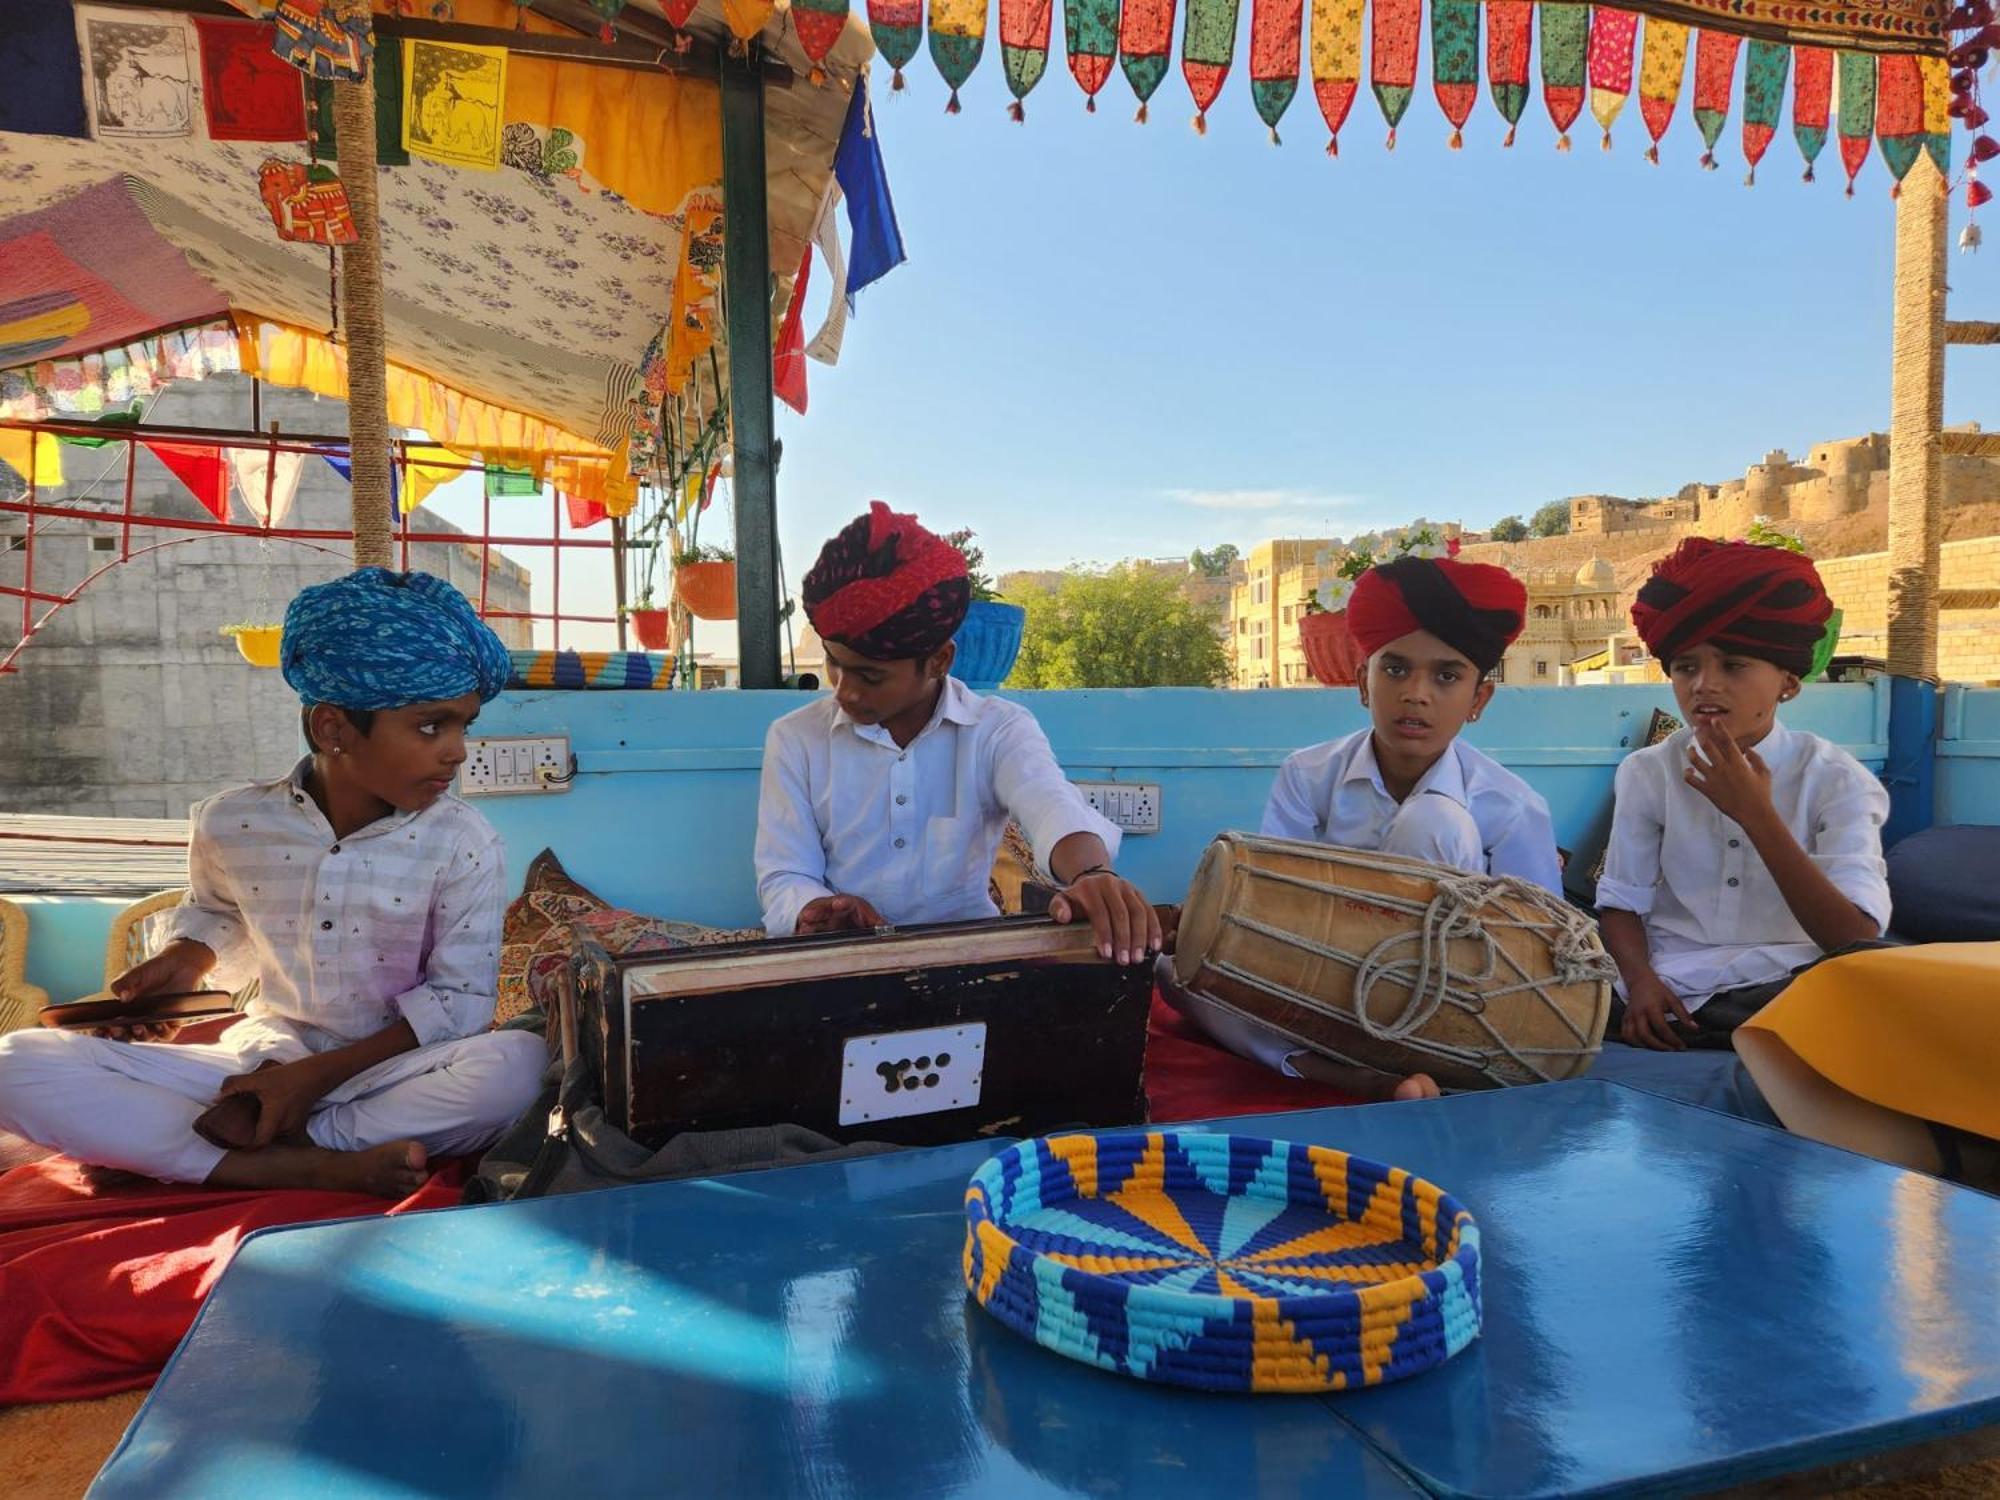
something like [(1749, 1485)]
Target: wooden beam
[(1971, 333), (1971, 444), (1968, 599)]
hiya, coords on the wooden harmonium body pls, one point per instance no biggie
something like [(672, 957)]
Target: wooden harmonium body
[(915, 1035)]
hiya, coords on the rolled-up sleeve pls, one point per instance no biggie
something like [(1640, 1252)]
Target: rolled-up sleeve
[(1847, 840), (1289, 811), (790, 856), (1632, 857), (462, 970), (1526, 848), (208, 913), (1031, 786)]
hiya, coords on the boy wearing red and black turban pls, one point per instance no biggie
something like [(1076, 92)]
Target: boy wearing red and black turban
[(1434, 630), (887, 801), (1741, 852)]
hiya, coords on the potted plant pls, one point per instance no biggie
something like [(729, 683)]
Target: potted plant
[(651, 624), (990, 638), (705, 582), (258, 644), (1332, 653)]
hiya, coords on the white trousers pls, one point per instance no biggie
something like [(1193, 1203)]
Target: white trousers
[(1428, 827), (132, 1105)]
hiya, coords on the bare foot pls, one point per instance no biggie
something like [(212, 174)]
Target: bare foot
[(1417, 1086), (1364, 1083), (395, 1170)]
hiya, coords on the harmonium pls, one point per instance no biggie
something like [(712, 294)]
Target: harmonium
[(914, 1036)]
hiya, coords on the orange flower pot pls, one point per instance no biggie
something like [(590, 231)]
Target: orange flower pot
[(1335, 657), (653, 627), (708, 589)]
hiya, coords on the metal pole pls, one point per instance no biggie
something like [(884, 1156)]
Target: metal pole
[(618, 574), (746, 281)]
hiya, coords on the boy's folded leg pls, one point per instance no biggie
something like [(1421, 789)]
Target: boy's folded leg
[(453, 1097), (111, 1104), (1439, 830)]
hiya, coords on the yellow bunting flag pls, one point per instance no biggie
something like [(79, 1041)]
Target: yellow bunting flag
[(452, 99)]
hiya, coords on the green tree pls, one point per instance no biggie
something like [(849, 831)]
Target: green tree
[(1551, 520), (1511, 529), (1214, 563), (1128, 627)]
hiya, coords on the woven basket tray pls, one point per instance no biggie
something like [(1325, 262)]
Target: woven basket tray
[(1222, 1262)]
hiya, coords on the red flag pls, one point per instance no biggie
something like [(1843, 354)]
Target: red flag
[(201, 470), (788, 364), (583, 513)]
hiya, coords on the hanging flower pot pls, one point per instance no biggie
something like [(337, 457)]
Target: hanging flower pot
[(708, 589), (654, 627), (258, 644), (988, 642), (1332, 653)]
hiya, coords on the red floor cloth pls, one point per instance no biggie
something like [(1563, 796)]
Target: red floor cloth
[(1188, 1077), (98, 1283)]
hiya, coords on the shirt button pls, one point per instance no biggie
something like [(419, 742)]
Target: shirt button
[(899, 843), (334, 850), (328, 926), (1734, 881), (904, 755), (901, 798), (1736, 843)]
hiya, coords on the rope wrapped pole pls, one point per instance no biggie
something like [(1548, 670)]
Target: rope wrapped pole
[(361, 316), (1916, 422)]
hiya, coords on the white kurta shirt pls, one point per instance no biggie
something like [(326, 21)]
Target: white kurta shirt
[(1714, 917), (911, 830), (399, 920), (1333, 793)]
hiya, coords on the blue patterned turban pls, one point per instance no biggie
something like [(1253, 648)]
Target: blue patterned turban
[(377, 639)]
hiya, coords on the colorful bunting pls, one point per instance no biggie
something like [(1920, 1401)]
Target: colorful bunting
[(1937, 112), (1455, 61), (819, 24), (1662, 68), (958, 36), (427, 466), (1208, 47), (201, 469), (1145, 43), (1510, 39), (1812, 100), (322, 45), (1024, 48), (34, 456), (1565, 43), (1714, 78), (1392, 56), (389, 150), (308, 205), (452, 97), (1764, 71), (1274, 58), (263, 476), (248, 91), (1090, 33), (1854, 111), (43, 64), (608, 11), (511, 484), (897, 27), (788, 360), (139, 77), (873, 235), (679, 12), (1899, 113), (1612, 38), (746, 19)]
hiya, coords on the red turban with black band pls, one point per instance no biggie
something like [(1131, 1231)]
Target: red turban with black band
[(1474, 608), (887, 589), (1748, 600)]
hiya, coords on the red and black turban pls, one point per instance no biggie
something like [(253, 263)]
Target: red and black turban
[(1474, 608), (887, 589), (1748, 600)]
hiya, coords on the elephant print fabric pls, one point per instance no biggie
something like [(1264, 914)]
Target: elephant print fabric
[(452, 97), (138, 72)]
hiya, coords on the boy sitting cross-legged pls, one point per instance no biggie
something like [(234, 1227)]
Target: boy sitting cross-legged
[(364, 898)]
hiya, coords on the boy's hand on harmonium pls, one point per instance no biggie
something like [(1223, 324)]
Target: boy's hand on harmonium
[(177, 968), (1122, 919), (1652, 1014), (838, 914)]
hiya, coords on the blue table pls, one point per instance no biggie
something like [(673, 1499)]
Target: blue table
[(1676, 1302)]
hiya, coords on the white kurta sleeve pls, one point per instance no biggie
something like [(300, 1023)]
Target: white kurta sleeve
[(1526, 848), (790, 856), (1845, 839), (208, 913), (462, 970), (1632, 857), (1031, 786), (1289, 812)]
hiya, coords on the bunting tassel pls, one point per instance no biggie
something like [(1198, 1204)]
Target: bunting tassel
[(1508, 143), (951, 105), (1016, 113), (1390, 144), (1141, 117), (1750, 180), (1708, 161), (1201, 123), (896, 84), (1605, 144), (1090, 104), (817, 76), (1562, 141), (1333, 146), (1653, 153), (1809, 174), (1274, 137), (1457, 140)]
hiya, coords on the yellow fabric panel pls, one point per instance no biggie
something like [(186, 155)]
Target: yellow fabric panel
[(1336, 40), (1937, 95), (20, 449), (424, 469), (1913, 1029), (746, 18), (1662, 59)]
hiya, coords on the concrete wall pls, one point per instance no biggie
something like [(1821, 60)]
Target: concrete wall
[(1968, 640), (130, 703)]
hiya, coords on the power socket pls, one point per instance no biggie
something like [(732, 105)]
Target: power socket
[(511, 764), (1133, 806)]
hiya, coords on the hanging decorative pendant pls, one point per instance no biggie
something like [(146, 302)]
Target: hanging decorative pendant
[(1565, 41), (1455, 61), (1275, 27), (1145, 44), (1024, 48), (1662, 68), (1937, 113), (608, 11), (1394, 32), (958, 36), (321, 44), (897, 27), (1899, 113), (1336, 63), (1613, 34), (1854, 110), (1510, 41), (1764, 71), (1812, 101), (1090, 35), (819, 24), (1208, 47), (1714, 80), (308, 205)]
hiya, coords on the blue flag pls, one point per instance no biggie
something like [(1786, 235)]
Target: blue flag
[(337, 459), (41, 70), (877, 243)]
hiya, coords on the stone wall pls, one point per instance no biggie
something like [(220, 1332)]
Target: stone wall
[(130, 703), (1968, 640)]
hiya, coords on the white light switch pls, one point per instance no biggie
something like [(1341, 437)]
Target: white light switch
[(498, 765)]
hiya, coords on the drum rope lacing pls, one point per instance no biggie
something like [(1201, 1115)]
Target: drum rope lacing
[(1452, 914)]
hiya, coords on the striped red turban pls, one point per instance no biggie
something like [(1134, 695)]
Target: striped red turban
[(886, 588), (1765, 602), (1474, 608)]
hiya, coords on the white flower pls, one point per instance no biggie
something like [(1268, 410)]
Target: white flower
[(1334, 594), (1423, 549)]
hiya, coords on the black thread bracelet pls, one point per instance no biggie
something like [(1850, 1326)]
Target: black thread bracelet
[(1080, 874)]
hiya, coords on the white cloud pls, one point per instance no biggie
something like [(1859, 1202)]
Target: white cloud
[(1256, 499)]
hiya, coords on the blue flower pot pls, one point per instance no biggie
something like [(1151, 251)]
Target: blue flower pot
[(988, 642)]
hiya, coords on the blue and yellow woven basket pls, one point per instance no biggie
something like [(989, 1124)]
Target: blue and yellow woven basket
[(1222, 1262)]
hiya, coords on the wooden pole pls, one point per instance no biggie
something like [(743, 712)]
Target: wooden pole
[(361, 316), (1916, 422)]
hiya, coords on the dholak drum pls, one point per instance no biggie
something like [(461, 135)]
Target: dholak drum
[(1395, 963)]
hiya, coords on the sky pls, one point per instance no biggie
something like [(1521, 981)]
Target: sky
[(1114, 341)]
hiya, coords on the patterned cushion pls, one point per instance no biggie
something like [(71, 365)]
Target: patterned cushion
[(539, 934)]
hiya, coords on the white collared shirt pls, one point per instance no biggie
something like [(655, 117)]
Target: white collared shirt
[(912, 830), (1714, 917), (399, 920), (1332, 793)]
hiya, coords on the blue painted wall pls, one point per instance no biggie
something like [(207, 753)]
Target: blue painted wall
[(1968, 764)]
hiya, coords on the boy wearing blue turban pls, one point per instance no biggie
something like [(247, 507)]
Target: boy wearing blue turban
[(366, 901)]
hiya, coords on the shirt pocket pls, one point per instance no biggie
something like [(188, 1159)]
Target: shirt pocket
[(387, 956), (955, 856)]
